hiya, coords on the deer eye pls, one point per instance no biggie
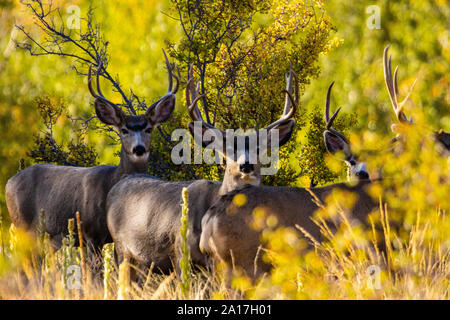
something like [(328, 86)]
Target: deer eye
[(124, 131), (148, 130)]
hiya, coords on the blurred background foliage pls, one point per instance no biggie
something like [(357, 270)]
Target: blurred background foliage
[(336, 45)]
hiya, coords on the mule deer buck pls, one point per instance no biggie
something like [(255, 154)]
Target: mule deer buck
[(144, 214), (61, 191), (337, 142), (226, 231), (392, 86), (227, 234)]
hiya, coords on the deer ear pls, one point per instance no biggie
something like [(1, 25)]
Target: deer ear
[(334, 143), (108, 113), (444, 138), (285, 130), (163, 110)]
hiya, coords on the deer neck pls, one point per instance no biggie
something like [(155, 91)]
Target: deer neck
[(228, 184), (129, 165)]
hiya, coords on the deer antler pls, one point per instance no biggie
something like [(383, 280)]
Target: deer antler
[(192, 97), (392, 87), (328, 120), (170, 69), (99, 94), (291, 103)]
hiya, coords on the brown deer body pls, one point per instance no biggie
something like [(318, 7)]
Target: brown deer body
[(227, 232)]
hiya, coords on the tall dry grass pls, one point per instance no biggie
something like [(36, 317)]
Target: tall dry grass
[(401, 253)]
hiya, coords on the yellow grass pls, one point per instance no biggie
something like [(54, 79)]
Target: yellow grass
[(401, 253)]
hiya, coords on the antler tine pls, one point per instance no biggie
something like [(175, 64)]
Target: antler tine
[(291, 104), (99, 69), (395, 82), (99, 94), (288, 91), (90, 82), (190, 95), (294, 106), (177, 78), (295, 101), (328, 120), (169, 70), (192, 98), (399, 110), (327, 104), (392, 86), (193, 108), (388, 79)]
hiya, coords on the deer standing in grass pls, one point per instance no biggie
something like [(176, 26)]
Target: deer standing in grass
[(61, 191), (227, 234), (144, 214), (226, 231)]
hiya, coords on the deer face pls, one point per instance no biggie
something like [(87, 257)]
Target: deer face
[(242, 172), (237, 149), (135, 131), (242, 151), (334, 143), (244, 160), (136, 136), (241, 167)]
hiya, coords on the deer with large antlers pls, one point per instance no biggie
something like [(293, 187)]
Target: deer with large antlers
[(392, 87), (227, 232), (61, 191), (144, 214)]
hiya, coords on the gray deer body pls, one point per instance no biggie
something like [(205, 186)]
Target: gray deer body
[(143, 215), (144, 219), (61, 191)]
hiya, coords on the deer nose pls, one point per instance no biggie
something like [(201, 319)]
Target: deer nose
[(139, 150), (362, 175), (246, 167)]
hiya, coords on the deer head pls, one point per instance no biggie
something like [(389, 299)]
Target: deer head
[(336, 142), (135, 132), (241, 168)]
